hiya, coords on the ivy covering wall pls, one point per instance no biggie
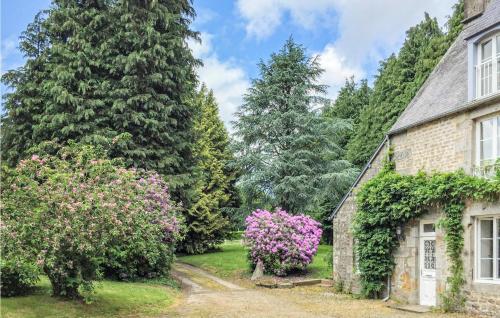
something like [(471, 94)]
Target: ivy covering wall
[(390, 200)]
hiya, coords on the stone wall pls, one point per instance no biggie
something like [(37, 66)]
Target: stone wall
[(481, 297), (344, 272), (446, 144)]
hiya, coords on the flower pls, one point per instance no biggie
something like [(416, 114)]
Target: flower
[(283, 242)]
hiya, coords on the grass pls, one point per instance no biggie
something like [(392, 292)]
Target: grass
[(112, 299), (231, 261)]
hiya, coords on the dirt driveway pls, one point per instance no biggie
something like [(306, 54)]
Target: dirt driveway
[(209, 296)]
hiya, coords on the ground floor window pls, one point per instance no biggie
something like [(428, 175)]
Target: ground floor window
[(488, 249)]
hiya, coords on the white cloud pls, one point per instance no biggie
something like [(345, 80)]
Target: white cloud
[(337, 69), (367, 30), (10, 57), (228, 81), (264, 16)]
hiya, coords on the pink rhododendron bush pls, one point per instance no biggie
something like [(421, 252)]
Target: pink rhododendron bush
[(77, 215), (283, 242)]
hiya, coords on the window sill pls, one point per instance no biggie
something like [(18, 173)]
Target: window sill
[(487, 281)]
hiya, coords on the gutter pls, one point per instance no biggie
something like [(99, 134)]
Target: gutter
[(361, 174)]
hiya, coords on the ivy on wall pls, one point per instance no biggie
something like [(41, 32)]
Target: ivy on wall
[(390, 200)]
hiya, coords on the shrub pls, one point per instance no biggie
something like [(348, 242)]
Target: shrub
[(137, 254), (283, 242), (18, 276), (72, 209), (19, 271)]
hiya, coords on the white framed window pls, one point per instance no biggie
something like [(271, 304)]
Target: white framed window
[(488, 249), (487, 145), (488, 66), (427, 228)]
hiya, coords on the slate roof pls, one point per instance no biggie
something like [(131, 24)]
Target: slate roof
[(489, 18), (445, 91)]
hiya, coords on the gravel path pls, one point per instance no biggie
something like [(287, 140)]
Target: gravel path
[(210, 296)]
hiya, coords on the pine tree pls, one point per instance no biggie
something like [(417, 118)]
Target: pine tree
[(207, 224), (399, 78), (288, 153), (110, 67)]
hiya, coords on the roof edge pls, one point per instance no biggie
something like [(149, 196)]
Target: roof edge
[(361, 174), (467, 106), (470, 36)]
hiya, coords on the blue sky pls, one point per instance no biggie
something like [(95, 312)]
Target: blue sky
[(350, 36)]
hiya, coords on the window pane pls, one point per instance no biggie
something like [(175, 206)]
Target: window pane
[(486, 229), (429, 254), (486, 268), (486, 149), (486, 248), (487, 129), (486, 50), (498, 62), (429, 228), (498, 127), (498, 71)]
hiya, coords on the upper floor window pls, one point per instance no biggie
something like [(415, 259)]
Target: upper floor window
[(488, 66), (487, 145)]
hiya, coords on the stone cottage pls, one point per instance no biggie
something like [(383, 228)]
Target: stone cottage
[(452, 123)]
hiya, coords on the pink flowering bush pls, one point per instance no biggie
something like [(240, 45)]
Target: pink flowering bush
[(283, 242), (133, 254), (77, 214)]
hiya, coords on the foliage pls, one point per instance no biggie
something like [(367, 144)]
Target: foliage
[(112, 299), (19, 276), (138, 254), (208, 224), (230, 260), (399, 78), (351, 101), (282, 242), (289, 154), (72, 210), (19, 271), (390, 200), (97, 69)]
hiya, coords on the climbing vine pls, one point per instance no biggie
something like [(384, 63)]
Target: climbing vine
[(390, 200)]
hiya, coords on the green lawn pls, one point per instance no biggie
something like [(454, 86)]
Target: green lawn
[(231, 260), (112, 299)]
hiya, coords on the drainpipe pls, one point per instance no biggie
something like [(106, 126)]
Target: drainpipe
[(388, 289)]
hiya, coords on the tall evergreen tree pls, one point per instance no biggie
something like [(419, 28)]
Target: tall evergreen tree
[(288, 153), (350, 102), (106, 68), (207, 223), (400, 77), (24, 104)]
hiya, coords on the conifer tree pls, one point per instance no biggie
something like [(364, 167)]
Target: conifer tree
[(400, 77), (107, 68), (23, 105), (350, 102), (289, 153), (207, 223)]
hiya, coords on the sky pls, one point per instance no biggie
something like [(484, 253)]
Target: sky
[(350, 37)]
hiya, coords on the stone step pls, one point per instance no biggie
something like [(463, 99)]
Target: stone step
[(419, 309), (307, 282)]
